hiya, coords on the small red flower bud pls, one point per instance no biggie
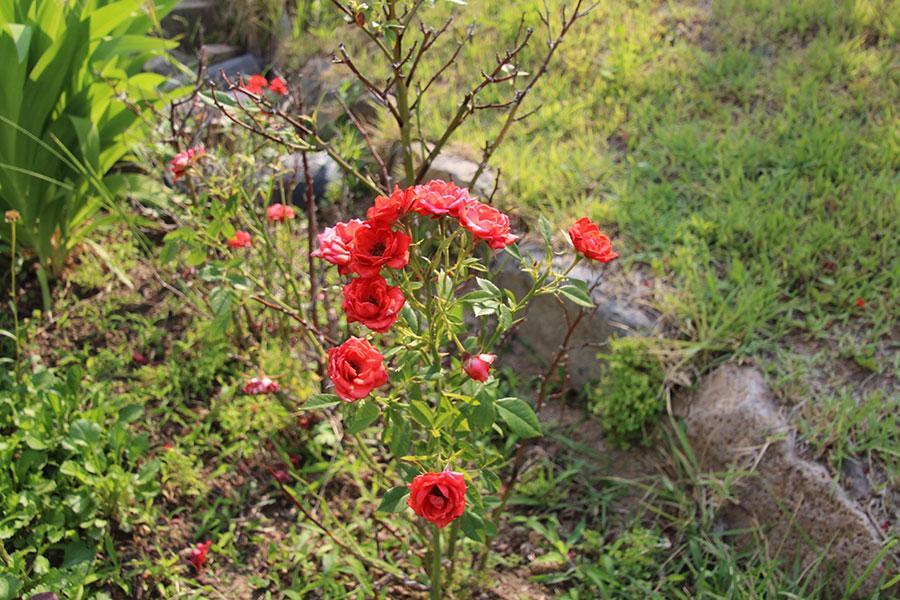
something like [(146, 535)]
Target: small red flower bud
[(478, 366)]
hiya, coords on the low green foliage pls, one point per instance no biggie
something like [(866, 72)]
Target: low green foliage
[(629, 396), (72, 470)]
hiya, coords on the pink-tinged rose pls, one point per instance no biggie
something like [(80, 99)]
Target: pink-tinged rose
[(487, 223), (261, 385), (438, 198), (478, 366), (334, 244), (279, 213), (185, 160)]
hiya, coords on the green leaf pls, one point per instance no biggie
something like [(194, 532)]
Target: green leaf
[(490, 288), (368, 413), (84, 433), (394, 499), (519, 416), (472, 525), (546, 229), (21, 35), (321, 401), (576, 291)]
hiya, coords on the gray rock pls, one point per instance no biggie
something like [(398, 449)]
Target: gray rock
[(233, 68), (324, 172), (191, 19), (734, 425), (537, 340), (460, 170)]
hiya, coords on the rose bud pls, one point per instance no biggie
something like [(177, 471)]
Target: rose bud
[(478, 366), (376, 245), (372, 302), (438, 497), (588, 240), (241, 239), (139, 359), (356, 368), (487, 223), (198, 554), (279, 212), (388, 209), (281, 475), (334, 244), (438, 198)]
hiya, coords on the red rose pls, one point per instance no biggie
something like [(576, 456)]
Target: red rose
[(860, 303), (376, 245), (438, 198), (478, 366), (438, 497), (356, 368), (278, 86), (372, 302), (487, 223), (198, 554), (588, 240), (279, 212), (388, 209), (241, 239), (256, 84), (183, 160), (334, 244)]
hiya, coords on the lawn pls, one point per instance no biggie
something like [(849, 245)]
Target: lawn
[(742, 155)]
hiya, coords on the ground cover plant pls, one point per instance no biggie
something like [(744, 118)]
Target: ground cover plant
[(246, 398)]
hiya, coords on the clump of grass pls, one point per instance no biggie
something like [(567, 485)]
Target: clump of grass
[(628, 398)]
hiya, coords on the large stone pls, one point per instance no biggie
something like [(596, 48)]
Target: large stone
[(324, 172), (460, 170), (536, 340), (191, 20), (233, 68), (735, 426)]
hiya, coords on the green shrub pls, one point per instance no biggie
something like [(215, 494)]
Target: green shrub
[(70, 467), (628, 397), (72, 89)]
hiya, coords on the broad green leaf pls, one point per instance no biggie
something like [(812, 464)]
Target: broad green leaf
[(394, 499), (489, 287), (546, 229), (519, 416), (472, 525), (576, 291), (21, 35)]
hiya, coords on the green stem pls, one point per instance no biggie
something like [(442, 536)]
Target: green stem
[(451, 550), (14, 300), (435, 564)]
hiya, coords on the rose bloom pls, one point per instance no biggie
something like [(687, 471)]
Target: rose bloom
[(356, 368), (198, 554), (478, 366), (256, 84), (438, 497), (279, 212), (487, 223), (261, 385), (183, 160), (588, 240), (438, 198), (278, 86), (376, 245), (372, 302), (860, 303), (240, 239), (388, 209), (334, 244)]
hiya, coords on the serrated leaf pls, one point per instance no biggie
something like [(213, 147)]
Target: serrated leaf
[(546, 229), (472, 525), (490, 288), (368, 413), (394, 500), (321, 401), (576, 291), (519, 416)]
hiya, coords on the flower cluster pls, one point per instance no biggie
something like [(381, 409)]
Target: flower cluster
[(198, 554), (366, 248), (184, 160), (257, 84)]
